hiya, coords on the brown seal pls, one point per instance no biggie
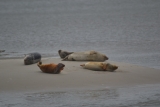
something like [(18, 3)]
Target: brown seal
[(63, 54), (99, 66), (51, 68), (86, 56)]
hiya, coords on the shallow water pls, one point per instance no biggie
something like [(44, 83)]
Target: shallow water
[(138, 96), (126, 31)]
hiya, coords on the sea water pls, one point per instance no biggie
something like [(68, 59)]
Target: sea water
[(125, 30)]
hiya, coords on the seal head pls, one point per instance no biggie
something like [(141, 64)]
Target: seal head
[(59, 68), (63, 54), (110, 67)]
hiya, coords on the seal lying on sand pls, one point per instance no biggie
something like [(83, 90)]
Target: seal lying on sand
[(99, 66), (86, 56), (32, 58), (51, 68), (63, 54)]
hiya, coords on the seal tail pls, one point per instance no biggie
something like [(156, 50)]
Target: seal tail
[(39, 63)]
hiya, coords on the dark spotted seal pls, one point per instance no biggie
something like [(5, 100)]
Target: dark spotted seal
[(51, 68), (32, 58), (63, 54), (99, 66), (86, 56)]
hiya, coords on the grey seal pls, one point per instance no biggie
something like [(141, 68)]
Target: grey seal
[(86, 56), (32, 58)]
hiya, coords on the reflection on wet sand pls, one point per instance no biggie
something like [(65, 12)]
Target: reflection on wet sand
[(141, 96)]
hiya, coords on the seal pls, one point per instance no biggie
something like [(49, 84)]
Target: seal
[(99, 66), (32, 58), (86, 56), (51, 68), (63, 54)]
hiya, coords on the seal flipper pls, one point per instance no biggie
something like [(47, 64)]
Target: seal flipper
[(104, 67), (66, 54), (65, 59), (82, 65)]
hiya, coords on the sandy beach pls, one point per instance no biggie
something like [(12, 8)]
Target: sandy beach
[(25, 85), (15, 76)]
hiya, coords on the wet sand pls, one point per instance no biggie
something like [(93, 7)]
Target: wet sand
[(129, 85)]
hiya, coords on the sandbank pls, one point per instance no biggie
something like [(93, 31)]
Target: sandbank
[(15, 76)]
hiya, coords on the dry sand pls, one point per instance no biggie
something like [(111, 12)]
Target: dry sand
[(15, 76)]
